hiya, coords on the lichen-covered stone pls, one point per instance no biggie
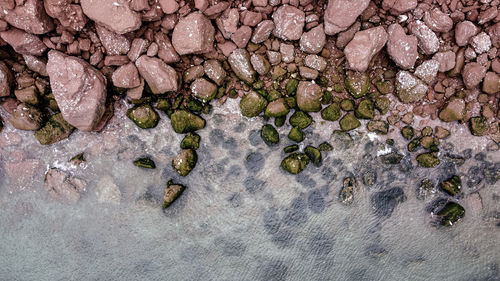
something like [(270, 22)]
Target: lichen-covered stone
[(185, 161), (184, 122), (379, 126), (365, 109), (384, 87), (203, 89), (428, 141), (269, 134), (414, 145), (300, 119), (54, 130), (291, 148), (295, 163), (357, 84), (296, 134), (454, 110), (145, 162), (277, 108), (144, 116), (252, 104), (409, 88), (478, 126), (346, 195), (452, 185), (347, 105), (407, 132), (450, 213), (349, 122), (427, 160), (291, 86), (382, 104), (172, 192), (314, 155), (325, 146), (190, 141), (309, 96), (331, 112)]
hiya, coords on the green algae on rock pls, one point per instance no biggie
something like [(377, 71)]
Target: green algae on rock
[(365, 109), (54, 130), (190, 141), (450, 213), (300, 119), (291, 148), (378, 126), (409, 88), (382, 104), (349, 122), (203, 90), (279, 121), (427, 160), (291, 86), (185, 161), (357, 84), (296, 134), (346, 195), (314, 155), (347, 105), (145, 162), (331, 112), (269, 134), (414, 145), (391, 158), (144, 116), (184, 121), (478, 126), (252, 104), (407, 132), (452, 185), (309, 96), (384, 87), (295, 162), (277, 108), (172, 192), (325, 146), (453, 110)]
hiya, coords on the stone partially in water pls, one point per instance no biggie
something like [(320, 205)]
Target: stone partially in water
[(357, 84), (427, 160), (185, 161), (295, 162), (365, 109), (407, 132), (346, 195), (190, 141), (291, 86), (296, 134), (203, 89), (277, 108), (184, 122), (454, 110), (425, 189), (478, 126), (26, 117), (144, 116), (409, 88), (252, 104), (62, 186), (391, 158), (309, 96), (331, 112), (54, 130), (451, 213), (325, 146), (300, 119), (269, 134), (172, 192), (145, 162), (452, 185), (349, 122), (314, 155), (379, 126)]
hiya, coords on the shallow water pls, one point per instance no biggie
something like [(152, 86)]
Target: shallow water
[(241, 217)]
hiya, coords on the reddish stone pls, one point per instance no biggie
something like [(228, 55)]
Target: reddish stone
[(69, 15), (340, 14), (242, 36), (116, 16), (438, 21), (166, 51), (23, 43), (364, 46), (30, 16), (115, 44), (472, 74), (401, 48), (288, 22), (126, 76), (262, 32), (160, 77), (193, 34), (464, 31)]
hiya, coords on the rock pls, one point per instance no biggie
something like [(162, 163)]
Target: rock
[(228, 22), (425, 189), (241, 36), (160, 77), (262, 32), (79, 89), (300, 119), (63, 187), (190, 141), (331, 112), (491, 83), (193, 34), (446, 60), (397, 7), (169, 6), (441, 133), (54, 130), (126, 76), (364, 46), (6, 80), (382, 105), (349, 122), (274, 57), (365, 109), (309, 96), (340, 14), (346, 195), (481, 43), (260, 64), (464, 31), (269, 134), (438, 21), (145, 162), (250, 18), (166, 50), (478, 126), (288, 22), (313, 41), (296, 134), (144, 116), (427, 160), (344, 37), (401, 48), (23, 43), (407, 132), (450, 214), (325, 147), (391, 158), (115, 44), (427, 39), (314, 155), (315, 62), (308, 73), (453, 110), (26, 117), (287, 52), (472, 74), (241, 65), (69, 15), (117, 18), (378, 126), (452, 185), (107, 191), (204, 90), (36, 64), (30, 16), (408, 88), (193, 73), (494, 33), (427, 71), (172, 192), (214, 70), (357, 84), (184, 122), (185, 161), (295, 163), (252, 104), (277, 108)]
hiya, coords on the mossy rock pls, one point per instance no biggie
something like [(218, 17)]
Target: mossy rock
[(273, 95), (77, 159), (365, 109), (384, 87), (279, 121), (322, 81), (145, 162), (184, 122), (277, 108), (427, 131), (453, 110), (291, 86), (379, 126), (291, 102), (314, 155), (295, 163), (163, 104), (195, 105), (327, 97), (414, 145), (172, 192), (346, 195), (349, 122), (144, 116), (278, 73), (427, 160), (269, 134), (291, 148), (357, 84), (478, 126), (382, 104), (296, 134), (331, 112), (347, 105), (450, 213), (391, 158), (325, 146), (190, 141), (252, 104), (300, 119), (428, 141), (408, 132), (452, 185), (258, 85), (56, 129), (185, 161)]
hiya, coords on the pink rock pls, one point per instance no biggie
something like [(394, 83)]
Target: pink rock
[(63, 187), (69, 15), (446, 60), (79, 89), (23, 43), (160, 77), (494, 33), (401, 48), (472, 74), (152, 50), (6, 79), (313, 41), (22, 174), (126, 76), (166, 51), (438, 21), (228, 22), (464, 31), (364, 46), (138, 47), (115, 60), (427, 39), (262, 32), (36, 64), (30, 16), (115, 44), (193, 34), (9, 104), (139, 5), (259, 3), (242, 36), (116, 16), (227, 48), (288, 22), (486, 16), (397, 7), (169, 6), (340, 14), (250, 18), (481, 43), (217, 8), (201, 5)]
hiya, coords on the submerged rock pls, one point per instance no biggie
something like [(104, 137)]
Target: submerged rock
[(144, 116), (172, 192), (269, 134), (425, 189), (391, 158), (452, 185), (296, 134), (184, 122), (300, 119), (314, 155), (63, 187), (295, 163), (252, 104), (427, 160), (349, 122), (145, 162), (450, 213), (357, 84), (346, 195), (185, 161), (54, 130), (190, 141), (384, 202), (26, 117)]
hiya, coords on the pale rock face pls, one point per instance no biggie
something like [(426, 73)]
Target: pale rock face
[(472, 74), (79, 89), (241, 65), (30, 17), (464, 31), (289, 22), (427, 71), (36, 64), (402, 48), (69, 15), (313, 41), (446, 60), (193, 34), (6, 79), (481, 43), (126, 76), (262, 32), (160, 77), (438, 21), (23, 42), (427, 39), (116, 16), (115, 44), (364, 46), (340, 14), (397, 7)]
